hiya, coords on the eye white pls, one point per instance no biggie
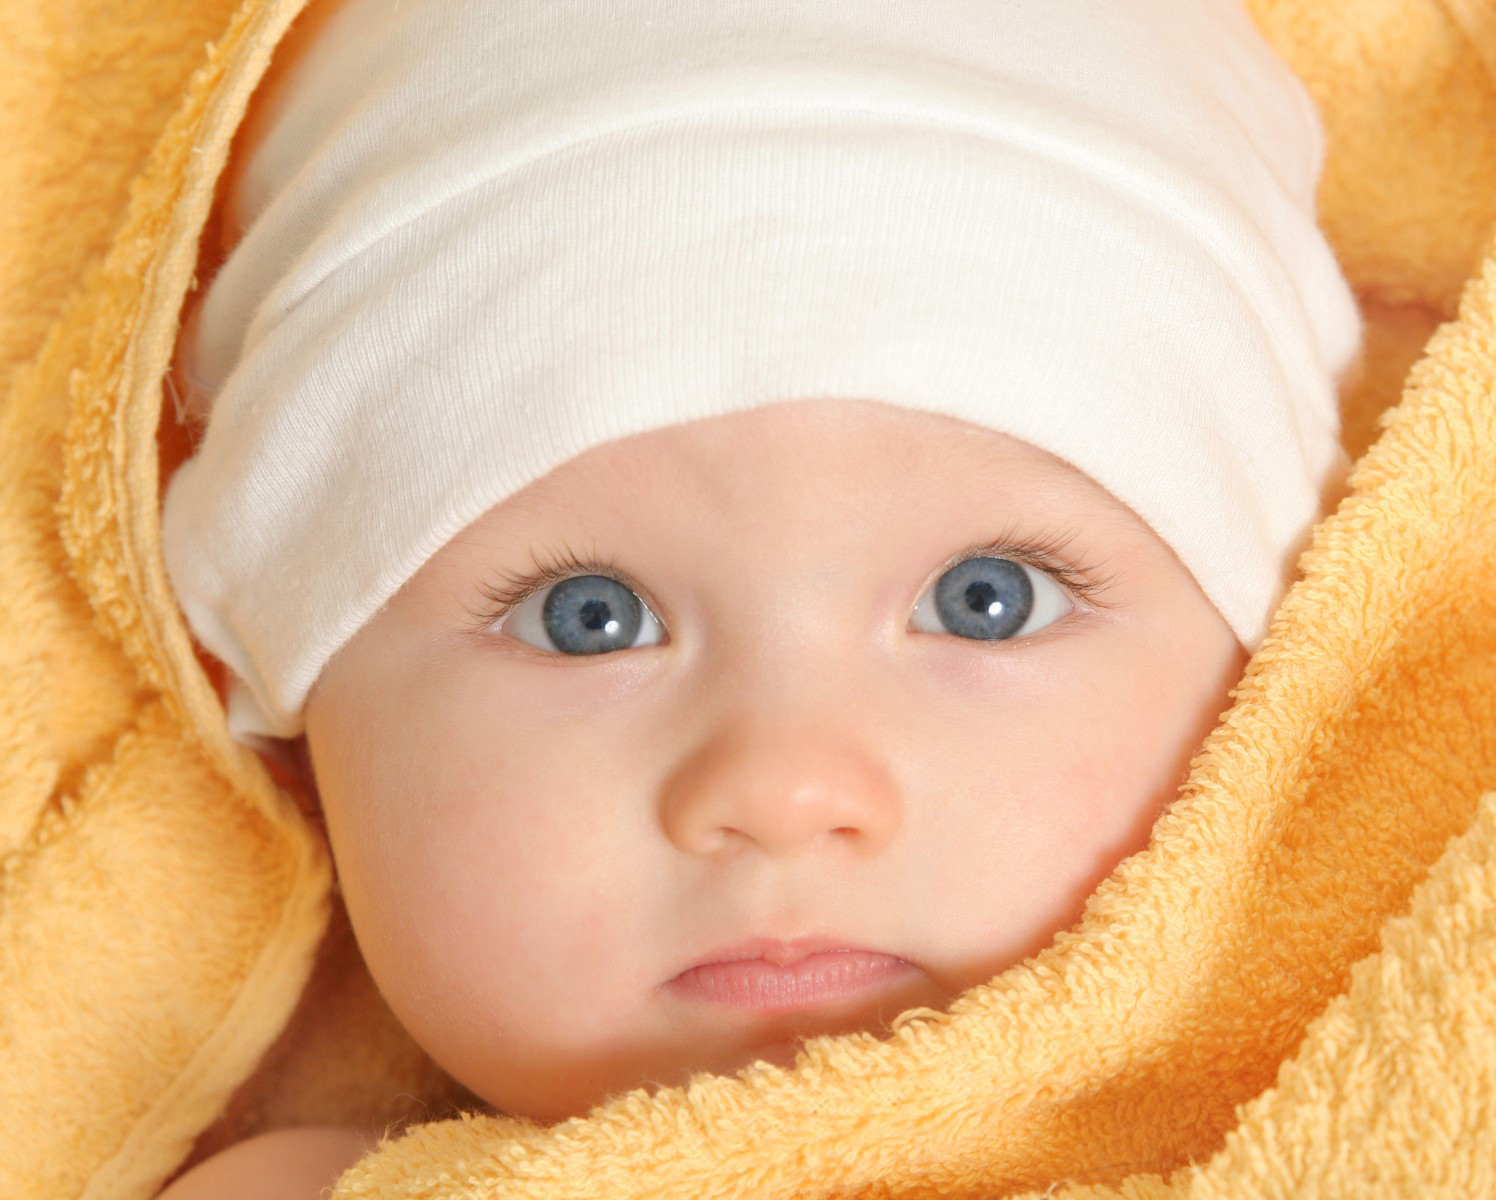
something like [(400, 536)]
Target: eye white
[(976, 600), (526, 622)]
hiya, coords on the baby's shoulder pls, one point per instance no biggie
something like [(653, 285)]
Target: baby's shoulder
[(286, 1164)]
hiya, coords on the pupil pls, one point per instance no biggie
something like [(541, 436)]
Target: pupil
[(595, 614), (982, 598)]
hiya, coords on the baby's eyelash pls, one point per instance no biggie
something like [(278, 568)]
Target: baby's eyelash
[(554, 567), (1046, 553), (1049, 553)]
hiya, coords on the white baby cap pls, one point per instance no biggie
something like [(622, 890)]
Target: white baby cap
[(483, 236)]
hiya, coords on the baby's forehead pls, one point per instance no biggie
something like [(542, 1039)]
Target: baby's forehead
[(845, 449)]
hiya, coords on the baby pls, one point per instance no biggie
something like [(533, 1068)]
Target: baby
[(743, 512)]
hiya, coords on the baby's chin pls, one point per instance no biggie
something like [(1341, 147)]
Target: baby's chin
[(710, 1044)]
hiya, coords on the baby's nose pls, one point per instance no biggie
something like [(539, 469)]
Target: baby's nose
[(782, 790)]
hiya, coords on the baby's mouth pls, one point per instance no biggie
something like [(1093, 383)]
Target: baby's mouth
[(769, 976)]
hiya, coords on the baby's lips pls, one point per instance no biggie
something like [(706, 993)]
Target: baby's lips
[(773, 975)]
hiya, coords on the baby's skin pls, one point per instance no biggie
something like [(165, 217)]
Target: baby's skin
[(819, 711)]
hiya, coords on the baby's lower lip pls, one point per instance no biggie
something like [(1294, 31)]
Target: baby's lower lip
[(752, 983)]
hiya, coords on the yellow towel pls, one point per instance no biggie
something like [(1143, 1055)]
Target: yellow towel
[(1292, 992)]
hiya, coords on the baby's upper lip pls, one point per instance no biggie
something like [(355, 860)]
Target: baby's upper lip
[(780, 952)]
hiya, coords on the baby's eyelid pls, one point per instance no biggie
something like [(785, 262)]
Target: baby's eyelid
[(951, 564), (504, 598), (1082, 584)]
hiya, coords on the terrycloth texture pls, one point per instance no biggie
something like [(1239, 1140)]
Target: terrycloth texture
[(1085, 227), (1291, 993)]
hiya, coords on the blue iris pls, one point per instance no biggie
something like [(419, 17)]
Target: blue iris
[(986, 598), (592, 614)]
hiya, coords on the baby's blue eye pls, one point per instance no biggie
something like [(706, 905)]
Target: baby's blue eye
[(991, 599), (984, 598), (586, 614)]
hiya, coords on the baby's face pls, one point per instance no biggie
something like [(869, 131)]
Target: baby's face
[(761, 770)]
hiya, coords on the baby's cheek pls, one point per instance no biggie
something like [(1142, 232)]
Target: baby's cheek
[(461, 843), (1120, 746), (461, 902)]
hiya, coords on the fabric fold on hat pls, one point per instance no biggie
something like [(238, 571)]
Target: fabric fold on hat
[(481, 239)]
